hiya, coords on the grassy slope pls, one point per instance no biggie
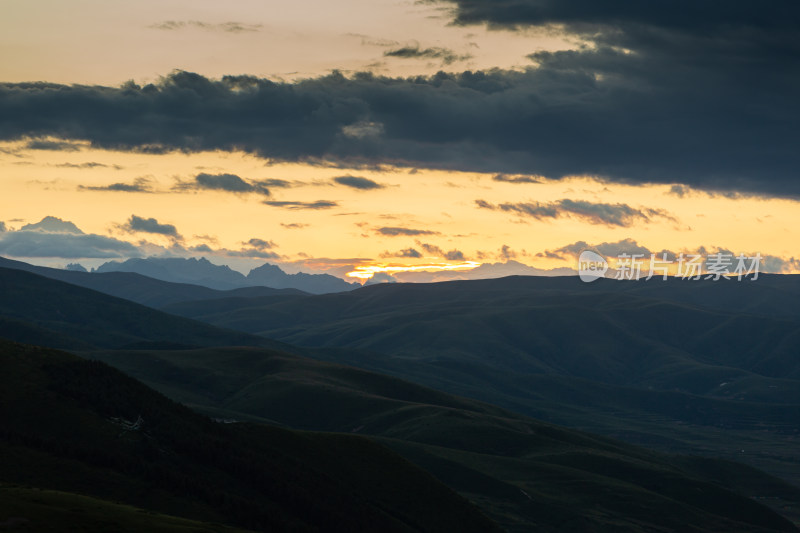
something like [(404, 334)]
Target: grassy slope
[(27, 509), (59, 433), (523, 473), (675, 365)]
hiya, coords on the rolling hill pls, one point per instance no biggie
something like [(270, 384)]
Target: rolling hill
[(39, 510), (81, 427), (671, 364), (522, 473), (525, 474), (38, 310)]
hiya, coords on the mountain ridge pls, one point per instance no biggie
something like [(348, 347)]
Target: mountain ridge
[(222, 277)]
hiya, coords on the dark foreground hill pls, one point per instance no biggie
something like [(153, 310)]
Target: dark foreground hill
[(697, 367), (81, 427), (38, 510), (526, 475)]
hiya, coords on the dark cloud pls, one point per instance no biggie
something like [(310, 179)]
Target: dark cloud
[(608, 249), (407, 252), (621, 215), (586, 15), (294, 225), (356, 182), (432, 249), (138, 185), (203, 248), (83, 166), (414, 51), (515, 179), (454, 255), (507, 253), (2, 227), (714, 108), (253, 249), (56, 146), (226, 27), (547, 254), (252, 253), (780, 265), (223, 182), (319, 204), (260, 244), (396, 232), (682, 191), (278, 183), (136, 224)]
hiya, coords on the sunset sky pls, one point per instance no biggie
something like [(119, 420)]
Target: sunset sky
[(357, 136)]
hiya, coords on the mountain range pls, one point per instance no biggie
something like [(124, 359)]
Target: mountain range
[(395, 376), (205, 273)]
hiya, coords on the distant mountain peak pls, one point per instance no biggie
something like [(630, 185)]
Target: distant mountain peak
[(271, 275), (51, 224), (267, 267), (75, 267)]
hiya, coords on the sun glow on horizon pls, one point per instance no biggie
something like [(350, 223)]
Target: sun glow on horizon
[(366, 272)]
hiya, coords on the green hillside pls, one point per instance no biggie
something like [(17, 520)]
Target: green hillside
[(82, 427), (45, 511), (523, 473)]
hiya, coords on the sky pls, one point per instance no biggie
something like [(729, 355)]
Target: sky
[(423, 140)]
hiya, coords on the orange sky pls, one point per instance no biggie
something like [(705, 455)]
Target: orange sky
[(108, 42), (41, 182)]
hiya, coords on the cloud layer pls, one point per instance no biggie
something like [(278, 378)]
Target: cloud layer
[(650, 102), (445, 55), (137, 224), (139, 185), (621, 215), (54, 237), (223, 182), (316, 205), (357, 182), (390, 231), (226, 27)]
